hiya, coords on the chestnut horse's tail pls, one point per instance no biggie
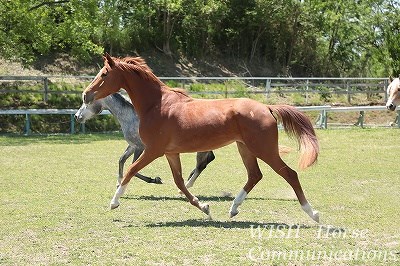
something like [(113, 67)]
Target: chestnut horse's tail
[(297, 125)]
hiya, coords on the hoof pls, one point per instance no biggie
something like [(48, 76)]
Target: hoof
[(206, 209), (233, 214), (114, 205), (312, 213), (315, 216), (157, 180)]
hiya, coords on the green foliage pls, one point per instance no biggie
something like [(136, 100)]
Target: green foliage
[(325, 93), (29, 29), (197, 87), (173, 83), (239, 89), (303, 38)]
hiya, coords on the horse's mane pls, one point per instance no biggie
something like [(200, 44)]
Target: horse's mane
[(139, 66), (121, 98), (136, 61)]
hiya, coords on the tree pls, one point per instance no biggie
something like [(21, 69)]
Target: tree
[(292, 37)]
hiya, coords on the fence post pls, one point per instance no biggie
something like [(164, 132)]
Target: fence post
[(398, 118), (348, 92), (72, 123), (46, 88), (385, 85), (27, 124), (360, 120), (307, 81), (322, 120), (267, 87), (325, 118)]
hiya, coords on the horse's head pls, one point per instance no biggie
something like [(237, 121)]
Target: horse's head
[(87, 111), (393, 92), (106, 82)]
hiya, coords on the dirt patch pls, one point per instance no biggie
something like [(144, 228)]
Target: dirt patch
[(14, 68)]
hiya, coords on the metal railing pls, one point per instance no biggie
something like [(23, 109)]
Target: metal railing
[(321, 122)]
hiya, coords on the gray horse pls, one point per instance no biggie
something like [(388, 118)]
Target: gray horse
[(123, 110)]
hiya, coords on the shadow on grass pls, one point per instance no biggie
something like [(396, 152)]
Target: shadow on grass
[(256, 227), (201, 198), (229, 224), (178, 198)]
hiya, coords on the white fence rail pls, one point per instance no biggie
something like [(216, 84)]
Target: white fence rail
[(322, 120)]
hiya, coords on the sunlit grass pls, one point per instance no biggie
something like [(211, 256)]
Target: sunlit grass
[(55, 192)]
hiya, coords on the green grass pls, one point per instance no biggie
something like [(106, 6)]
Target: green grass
[(55, 191)]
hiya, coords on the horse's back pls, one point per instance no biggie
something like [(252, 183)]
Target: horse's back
[(201, 125)]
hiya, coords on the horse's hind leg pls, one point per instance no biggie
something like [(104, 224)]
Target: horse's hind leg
[(280, 167), (156, 180), (176, 168), (254, 175), (203, 159)]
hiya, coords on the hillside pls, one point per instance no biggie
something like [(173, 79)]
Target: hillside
[(162, 65)]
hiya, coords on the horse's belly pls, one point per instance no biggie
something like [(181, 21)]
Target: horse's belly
[(182, 143)]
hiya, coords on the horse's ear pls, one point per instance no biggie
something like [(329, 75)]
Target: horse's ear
[(390, 78), (109, 60)]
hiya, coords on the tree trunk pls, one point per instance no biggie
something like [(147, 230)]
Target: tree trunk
[(254, 45), (167, 32)]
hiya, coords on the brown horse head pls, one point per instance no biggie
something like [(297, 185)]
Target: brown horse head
[(393, 92), (111, 77), (106, 81)]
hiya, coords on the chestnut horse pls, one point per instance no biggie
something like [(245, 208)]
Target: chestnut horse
[(171, 123), (393, 92)]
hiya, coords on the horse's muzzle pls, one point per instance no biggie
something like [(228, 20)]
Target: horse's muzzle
[(391, 107), (78, 118), (88, 97)]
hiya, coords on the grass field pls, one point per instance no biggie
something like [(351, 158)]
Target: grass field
[(55, 192)]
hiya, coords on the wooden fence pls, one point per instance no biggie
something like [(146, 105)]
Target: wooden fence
[(254, 85)]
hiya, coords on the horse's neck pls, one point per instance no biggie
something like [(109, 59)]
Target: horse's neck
[(122, 110), (145, 95)]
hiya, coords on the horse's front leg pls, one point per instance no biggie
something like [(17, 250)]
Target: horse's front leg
[(144, 159), (127, 153), (176, 168)]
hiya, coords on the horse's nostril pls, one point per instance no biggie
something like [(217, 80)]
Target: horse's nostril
[(78, 118), (391, 107)]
